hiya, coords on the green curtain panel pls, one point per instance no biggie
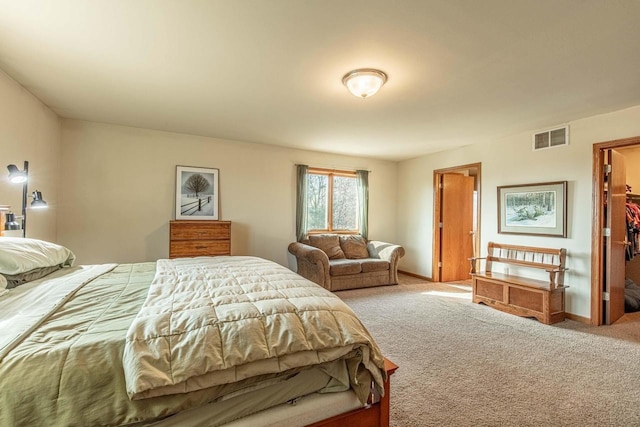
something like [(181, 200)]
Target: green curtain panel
[(301, 202), (362, 179)]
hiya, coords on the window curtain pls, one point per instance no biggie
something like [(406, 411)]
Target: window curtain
[(301, 202), (362, 181)]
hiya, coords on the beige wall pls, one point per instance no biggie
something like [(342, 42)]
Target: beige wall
[(29, 131), (632, 166), (118, 185), (511, 161)]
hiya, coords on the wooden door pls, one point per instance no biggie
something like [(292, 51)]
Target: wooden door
[(456, 232), (615, 243)]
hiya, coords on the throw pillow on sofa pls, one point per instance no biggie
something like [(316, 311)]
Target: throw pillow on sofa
[(354, 246), (327, 243)]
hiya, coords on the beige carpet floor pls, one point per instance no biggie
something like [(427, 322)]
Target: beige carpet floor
[(464, 364)]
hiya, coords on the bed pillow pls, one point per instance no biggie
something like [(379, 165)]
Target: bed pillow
[(22, 255), (354, 246)]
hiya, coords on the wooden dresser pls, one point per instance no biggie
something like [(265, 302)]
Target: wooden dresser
[(3, 210), (199, 238)]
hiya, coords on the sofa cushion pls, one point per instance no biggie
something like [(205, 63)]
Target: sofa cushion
[(372, 264), (354, 246), (327, 243), (342, 267)]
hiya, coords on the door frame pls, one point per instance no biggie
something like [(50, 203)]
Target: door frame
[(476, 168), (597, 225)]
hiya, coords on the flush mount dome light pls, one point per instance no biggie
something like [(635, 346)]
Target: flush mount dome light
[(364, 82)]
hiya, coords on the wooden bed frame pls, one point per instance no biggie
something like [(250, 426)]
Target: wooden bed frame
[(376, 414)]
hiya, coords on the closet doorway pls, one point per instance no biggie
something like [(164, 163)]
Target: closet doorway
[(456, 221), (612, 257)]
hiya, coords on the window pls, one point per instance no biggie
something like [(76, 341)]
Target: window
[(332, 201)]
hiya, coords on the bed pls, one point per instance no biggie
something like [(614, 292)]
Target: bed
[(235, 341)]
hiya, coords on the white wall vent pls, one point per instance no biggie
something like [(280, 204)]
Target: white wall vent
[(551, 138)]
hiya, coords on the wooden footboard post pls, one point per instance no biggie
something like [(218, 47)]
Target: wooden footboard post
[(373, 415), (385, 412)]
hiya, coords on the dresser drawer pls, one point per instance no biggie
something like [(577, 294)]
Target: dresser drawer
[(199, 230), (191, 248), (199, 238)]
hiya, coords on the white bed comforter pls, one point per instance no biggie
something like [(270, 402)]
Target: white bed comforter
[(210, 321)]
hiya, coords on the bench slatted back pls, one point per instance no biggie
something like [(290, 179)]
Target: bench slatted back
[(527, 256)]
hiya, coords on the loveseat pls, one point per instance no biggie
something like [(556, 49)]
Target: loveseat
[(338, 262)]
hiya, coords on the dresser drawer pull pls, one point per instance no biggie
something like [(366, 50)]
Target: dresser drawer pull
[(202, 247)]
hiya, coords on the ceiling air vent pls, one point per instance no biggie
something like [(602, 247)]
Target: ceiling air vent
[(551, 138)]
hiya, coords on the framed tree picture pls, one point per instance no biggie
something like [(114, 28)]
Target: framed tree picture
[(197, 193), (535, 209)]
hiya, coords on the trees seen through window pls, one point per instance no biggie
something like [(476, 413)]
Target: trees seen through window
[(332, 200)]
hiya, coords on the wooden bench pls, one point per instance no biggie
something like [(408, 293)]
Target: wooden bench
[(542, 299)]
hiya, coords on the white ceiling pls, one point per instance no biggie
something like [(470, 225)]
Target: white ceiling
[(269, 71)]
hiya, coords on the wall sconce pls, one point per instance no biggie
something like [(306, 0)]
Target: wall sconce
[(22, 176)]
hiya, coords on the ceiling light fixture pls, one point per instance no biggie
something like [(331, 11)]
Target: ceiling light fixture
[(364, 82)]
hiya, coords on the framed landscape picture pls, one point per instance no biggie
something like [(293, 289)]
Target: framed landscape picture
[(197, 193), (535, 209)]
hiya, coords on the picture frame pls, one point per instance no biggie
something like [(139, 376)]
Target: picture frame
[(533, 209), (197, 193)]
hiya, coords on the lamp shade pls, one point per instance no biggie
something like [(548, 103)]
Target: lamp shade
[(364, 82), (38, 202), (10, 222), (16, 175)]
